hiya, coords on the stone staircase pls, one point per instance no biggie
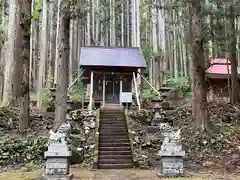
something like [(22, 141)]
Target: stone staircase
[(114, 145)]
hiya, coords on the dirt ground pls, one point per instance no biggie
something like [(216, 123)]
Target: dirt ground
[(130, 174)]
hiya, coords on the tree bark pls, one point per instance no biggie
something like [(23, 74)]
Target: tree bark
[(24, 35), (200, 110), (43, 54), (63, 66), (9, 91), (235, 96), (52, 42), (57, 35)]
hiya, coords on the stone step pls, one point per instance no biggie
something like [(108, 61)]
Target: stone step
[(108, 130), (115, 166), (115, 144), (103, 137), (118, 124), (112, 120), (113, 128), (121, 156), (111, 115), (111, 111), (112, 133), (115, 161), (127, 148), (113, 153), (106, 126), (114, 140)]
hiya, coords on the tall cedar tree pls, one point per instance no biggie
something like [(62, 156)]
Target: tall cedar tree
[(63, 65), (199, 88)]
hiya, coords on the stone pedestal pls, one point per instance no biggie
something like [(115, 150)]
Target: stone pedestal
[(172, 156), (57, 166)]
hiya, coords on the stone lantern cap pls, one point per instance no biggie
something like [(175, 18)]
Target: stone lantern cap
[(52, 90), (164, 89)]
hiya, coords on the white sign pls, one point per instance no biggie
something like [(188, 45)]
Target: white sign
[(126, 97)]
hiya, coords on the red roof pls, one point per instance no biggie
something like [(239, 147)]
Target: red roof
[(219, 69), (220, 66), (219, 61)]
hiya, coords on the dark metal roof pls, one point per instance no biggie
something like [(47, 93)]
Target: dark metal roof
[(109, 56)]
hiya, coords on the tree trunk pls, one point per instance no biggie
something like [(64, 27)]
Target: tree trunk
[(9, 96), (71, 49), (233, 58), (88, 30), (32, 47), (200, 110), (57, 35), (43, 54), (63, 66), (4, 19), (52, 43), (112, 23), (25, 23)]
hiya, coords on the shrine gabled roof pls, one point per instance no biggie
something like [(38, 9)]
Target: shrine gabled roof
[(219, 61), (220, 68), (112, 57)]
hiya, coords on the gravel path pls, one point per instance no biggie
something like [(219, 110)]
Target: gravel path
[(115, 175), (145, 175), (130, 174)]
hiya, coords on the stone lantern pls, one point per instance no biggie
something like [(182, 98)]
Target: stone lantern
[(164, 89), (172, 156), (156, 102)]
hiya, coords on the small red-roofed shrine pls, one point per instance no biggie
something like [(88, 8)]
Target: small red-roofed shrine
[(217, 75)]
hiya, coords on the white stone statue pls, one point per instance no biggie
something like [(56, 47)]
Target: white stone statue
[(61, 134), (172, 136)]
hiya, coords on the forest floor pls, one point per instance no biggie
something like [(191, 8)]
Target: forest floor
[(130, 174)]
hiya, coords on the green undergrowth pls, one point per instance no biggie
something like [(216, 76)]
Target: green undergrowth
[(76, 94), (17, 150), (180, 86)]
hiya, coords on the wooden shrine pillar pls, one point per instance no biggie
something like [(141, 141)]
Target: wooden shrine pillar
[(90, 106), (120, 92), (104, 89), (136, 90)]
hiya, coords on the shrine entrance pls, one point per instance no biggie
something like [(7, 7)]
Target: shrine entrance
[(112, 88)]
